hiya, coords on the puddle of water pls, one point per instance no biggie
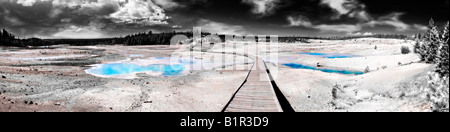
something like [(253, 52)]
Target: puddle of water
[(300, 66), (330, 56), (129, 68)]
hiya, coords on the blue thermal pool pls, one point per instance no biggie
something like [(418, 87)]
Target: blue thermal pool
[(300, 66), (129, 68), (330, 56), (158, 65)]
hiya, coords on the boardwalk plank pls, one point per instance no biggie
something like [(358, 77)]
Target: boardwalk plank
[(257, 94)]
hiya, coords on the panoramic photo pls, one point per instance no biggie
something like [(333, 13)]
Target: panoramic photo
[(224, 56)]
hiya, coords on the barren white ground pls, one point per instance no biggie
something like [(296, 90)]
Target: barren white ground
[(389, 86)]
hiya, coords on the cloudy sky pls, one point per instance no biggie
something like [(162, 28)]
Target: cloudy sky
[(111, 18)]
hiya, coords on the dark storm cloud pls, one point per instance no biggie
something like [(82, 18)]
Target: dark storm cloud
[(22, 19), (353, 16), (108, 18), (81, 18), (324, 16)]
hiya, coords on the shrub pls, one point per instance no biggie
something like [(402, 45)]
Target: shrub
[(367, 70), (437, 92), (405, 50)]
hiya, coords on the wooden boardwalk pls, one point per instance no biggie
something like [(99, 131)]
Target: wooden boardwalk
[(256, 94)]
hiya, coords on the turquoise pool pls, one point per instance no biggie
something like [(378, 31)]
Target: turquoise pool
[(128, 68), (161, 65), (300, 66), (330, 56)]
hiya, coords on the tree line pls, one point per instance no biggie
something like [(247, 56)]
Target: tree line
[(8, 39), (153, 39), (295, 39), (150, 38)]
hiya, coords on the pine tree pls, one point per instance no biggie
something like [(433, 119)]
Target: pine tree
[(423, 48), (431, 43), (5, 34), (443, 54), (445, 33), (417, 46)]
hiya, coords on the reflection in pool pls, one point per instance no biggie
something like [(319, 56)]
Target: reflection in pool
[(129, 68), (300, 66), (330, 56)]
